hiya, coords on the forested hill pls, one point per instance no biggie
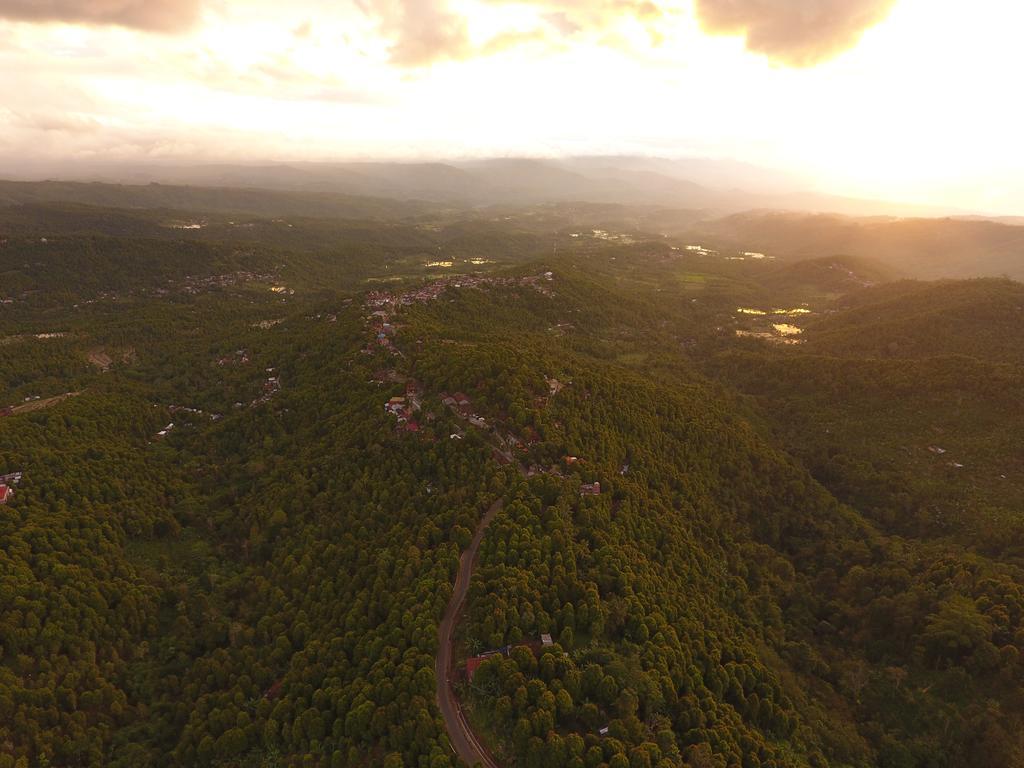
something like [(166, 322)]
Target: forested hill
[(926, 249), (210, 199), (768, 514), (979, 318)]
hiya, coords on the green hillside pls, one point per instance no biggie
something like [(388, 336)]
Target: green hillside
[(979, 318), (804, 549), (925, 249)]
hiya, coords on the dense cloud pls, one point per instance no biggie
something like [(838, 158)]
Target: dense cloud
[(149, 15), (794, 32), (423, 31), (420, 31)]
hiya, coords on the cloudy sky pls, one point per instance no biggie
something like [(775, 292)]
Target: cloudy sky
[(913, 100)]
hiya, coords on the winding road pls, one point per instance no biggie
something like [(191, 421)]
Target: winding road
[(463, 741)]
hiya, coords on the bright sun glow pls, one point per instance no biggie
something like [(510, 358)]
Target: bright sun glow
[(924, 108)]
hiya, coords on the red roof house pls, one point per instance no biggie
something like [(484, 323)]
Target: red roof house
[(472, 665), (5, 493)]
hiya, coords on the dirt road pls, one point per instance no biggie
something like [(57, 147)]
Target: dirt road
[(459, 733), (38, 405)]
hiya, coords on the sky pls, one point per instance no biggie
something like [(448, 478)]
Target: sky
[(913, 100)]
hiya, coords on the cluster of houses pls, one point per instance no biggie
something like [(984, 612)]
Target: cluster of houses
[(193, 411), (433, 290), (383, 332), (382, 303), (404, 407), (270, 388), (458, 402), (460, 405), (241, 357), (196, 285), (7, 484)]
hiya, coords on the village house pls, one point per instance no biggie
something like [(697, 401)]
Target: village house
[(590, 489), (6, 492), (462, 403), (473, 663), (412, 393)]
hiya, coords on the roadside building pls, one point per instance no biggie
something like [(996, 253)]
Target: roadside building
[(472, 665)]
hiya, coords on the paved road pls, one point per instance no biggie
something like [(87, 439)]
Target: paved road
[(459, 733)]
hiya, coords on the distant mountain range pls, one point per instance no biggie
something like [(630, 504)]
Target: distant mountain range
[(927, 249), (725, 203), (713, 186)]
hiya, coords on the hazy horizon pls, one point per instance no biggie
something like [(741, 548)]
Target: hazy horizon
[(716, 186), (859, 99)]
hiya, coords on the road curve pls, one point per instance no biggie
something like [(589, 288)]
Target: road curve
[(460, 734)]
